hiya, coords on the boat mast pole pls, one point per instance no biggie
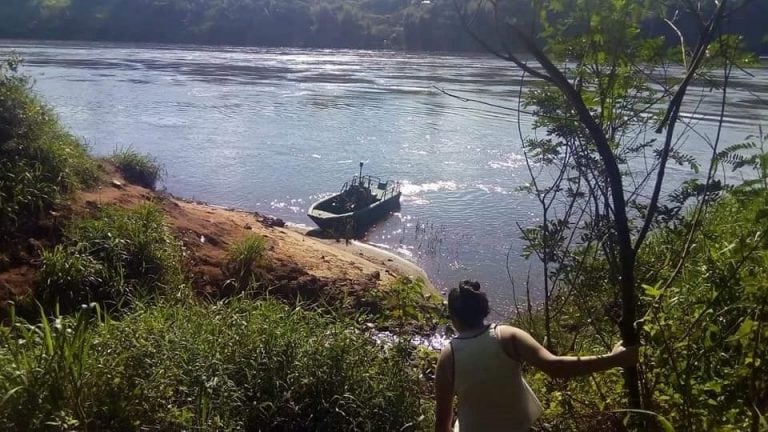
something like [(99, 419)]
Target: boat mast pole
[(360, 177)]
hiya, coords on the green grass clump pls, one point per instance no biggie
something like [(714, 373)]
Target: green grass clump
[(137, 168), (40, 163), (246, 259), (112, 258), (71, 277), (238, 365)]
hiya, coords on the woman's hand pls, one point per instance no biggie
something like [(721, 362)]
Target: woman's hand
[(625, 356)]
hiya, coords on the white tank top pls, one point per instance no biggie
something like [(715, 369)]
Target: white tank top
[(493, 396)]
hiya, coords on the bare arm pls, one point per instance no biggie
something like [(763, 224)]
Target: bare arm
[(520, 345), (444, 391)]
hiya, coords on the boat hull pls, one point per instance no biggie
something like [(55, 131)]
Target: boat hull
[(356, 223)]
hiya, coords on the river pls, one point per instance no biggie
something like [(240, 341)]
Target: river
[(272, 130)]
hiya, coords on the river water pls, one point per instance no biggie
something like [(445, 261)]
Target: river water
[(273, 130)]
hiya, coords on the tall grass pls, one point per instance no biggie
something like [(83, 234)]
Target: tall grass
[(40, 163), (230, 366), (113, 258), (137, 168), (43, 372), (246, 259)]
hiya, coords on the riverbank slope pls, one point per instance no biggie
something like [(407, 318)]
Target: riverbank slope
[(300, 265)]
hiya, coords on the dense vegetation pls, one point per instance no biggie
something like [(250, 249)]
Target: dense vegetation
[(40, 162), (704, 334), (112, 259), (399, 24), (182, 365)]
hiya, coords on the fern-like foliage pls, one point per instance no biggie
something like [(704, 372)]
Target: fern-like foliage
[(753, 156)]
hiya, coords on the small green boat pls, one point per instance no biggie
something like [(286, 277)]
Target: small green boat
[(362, 202)]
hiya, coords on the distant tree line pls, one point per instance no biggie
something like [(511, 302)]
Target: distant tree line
[(431, 25)]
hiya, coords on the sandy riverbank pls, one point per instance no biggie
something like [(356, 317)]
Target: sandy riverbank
[(392, 263)]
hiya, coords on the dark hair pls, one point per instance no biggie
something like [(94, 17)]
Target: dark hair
[(467, 304)]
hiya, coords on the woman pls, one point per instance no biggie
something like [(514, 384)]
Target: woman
[(482, 366)]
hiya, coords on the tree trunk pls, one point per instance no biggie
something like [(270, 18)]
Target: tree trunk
[(629, 333)]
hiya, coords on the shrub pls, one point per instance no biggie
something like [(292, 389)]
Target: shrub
[(112, 258), (137, 168), (706, 331), (40, 163), (405, 305), (245, 261), (237, 365), (703, 325)]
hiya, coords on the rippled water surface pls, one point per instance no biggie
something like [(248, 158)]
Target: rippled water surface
[(272, 130)]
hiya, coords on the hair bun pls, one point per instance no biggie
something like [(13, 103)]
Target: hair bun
[(468, 304), (470, 285)]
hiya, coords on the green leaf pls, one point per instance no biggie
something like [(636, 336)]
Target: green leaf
[(666, 426), (9, 394), (744, 330), (652, 291), (46, 330)]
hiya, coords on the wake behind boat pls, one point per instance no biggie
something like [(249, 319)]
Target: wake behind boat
[(362, 202)]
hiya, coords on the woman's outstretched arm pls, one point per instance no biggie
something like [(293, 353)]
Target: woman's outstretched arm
[(520, 345), (444, 391)]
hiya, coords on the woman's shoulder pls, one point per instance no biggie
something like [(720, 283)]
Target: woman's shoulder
[(508, 336), (506, 330)]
